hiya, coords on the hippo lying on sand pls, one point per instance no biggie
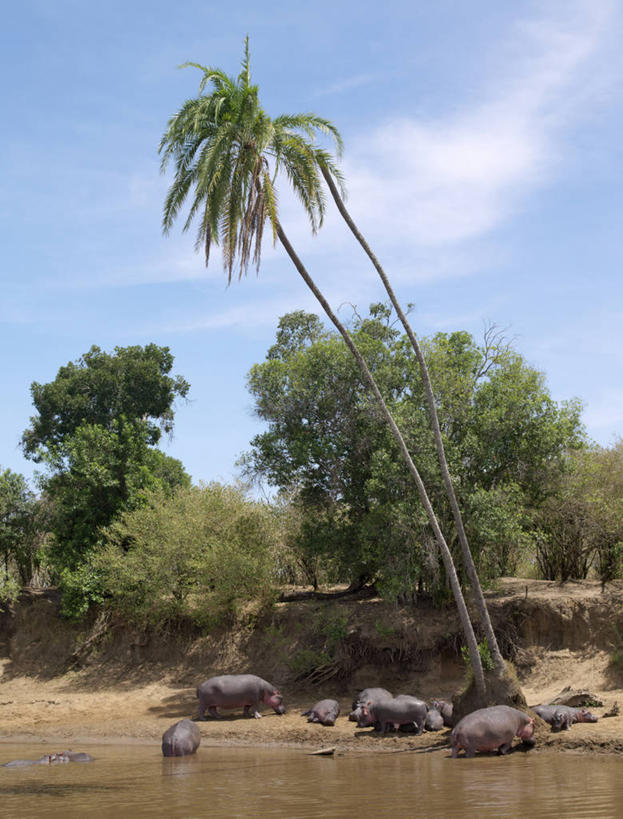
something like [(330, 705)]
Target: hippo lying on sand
[(401, 710), (181, 739), (562, 717), (238, 691), (491, 729), (325, 712), (50, 759)]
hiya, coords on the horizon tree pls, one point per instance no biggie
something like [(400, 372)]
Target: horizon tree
[(229, 152)]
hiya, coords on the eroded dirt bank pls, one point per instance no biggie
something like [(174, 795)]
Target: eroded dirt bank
[(65, 684)]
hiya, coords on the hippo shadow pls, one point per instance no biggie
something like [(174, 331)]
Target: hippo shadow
[(178, 705)]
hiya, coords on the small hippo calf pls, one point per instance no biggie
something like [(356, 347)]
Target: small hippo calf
[(367, 695), (181, 739), (434, 720), (325, 712), (491, 729), (445, 709), (401, 710), (562, 717), (238, 691)]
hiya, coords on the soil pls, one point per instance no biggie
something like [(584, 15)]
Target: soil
[(107, 683)]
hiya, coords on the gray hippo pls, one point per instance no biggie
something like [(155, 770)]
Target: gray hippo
[(367, 695), (445, 709), (434, 720), (491, 729), (325, 712), (181, 739), (401, 710), (50, 759), (562, 717), (238, 691)]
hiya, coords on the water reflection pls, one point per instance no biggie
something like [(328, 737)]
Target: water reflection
[(136, 781)]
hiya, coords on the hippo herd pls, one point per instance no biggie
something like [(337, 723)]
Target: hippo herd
[(487, 729)]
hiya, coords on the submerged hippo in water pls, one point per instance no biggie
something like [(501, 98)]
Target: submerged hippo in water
[(50, 759), (367, 695), (491, 729), (401, 710), (181, 739), (562, 717), (238, 691), (325, 712)]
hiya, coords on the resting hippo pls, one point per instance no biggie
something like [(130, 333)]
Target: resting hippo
[(325, 712), (237, 691), (367, 695), (50, 759), (434, 720), (401, 710), (181, 739), (491, 729), (562, 717), (445, 709)]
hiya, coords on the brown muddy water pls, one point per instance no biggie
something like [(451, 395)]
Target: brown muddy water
[(135, 781)]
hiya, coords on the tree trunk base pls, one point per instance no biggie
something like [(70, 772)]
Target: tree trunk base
[(500, 690)]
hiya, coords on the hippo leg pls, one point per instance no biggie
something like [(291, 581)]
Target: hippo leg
[(504, 748), (213, 712), (419, 728), (470, 751), (455, 752)]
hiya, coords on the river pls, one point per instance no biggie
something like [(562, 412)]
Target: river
[(223, 783)]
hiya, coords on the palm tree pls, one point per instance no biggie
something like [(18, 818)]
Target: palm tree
[(434, 420), (228, 152)]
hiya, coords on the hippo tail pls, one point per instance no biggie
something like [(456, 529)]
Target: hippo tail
[(306, 713)]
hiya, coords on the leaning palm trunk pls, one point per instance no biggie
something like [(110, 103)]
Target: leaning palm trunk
[(441, 542), (434, 419)]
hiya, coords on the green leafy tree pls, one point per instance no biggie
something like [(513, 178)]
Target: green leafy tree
[(228, 152), (326, 443), (95, 431), (20, 527)]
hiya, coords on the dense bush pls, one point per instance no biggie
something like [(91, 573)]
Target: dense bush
[(200, 553)]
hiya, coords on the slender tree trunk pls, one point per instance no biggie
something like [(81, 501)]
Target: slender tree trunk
[(434, 420), (369, 378)]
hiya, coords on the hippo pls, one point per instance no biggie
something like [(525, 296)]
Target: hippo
[(368, 694), (325, 712), (181, 739), (434, 720), (445, 709), (50, 759), (562, 717), (235, 691), (398, 711), (491, 729)]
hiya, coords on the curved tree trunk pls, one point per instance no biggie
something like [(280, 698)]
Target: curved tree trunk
[(434, 420), (468, 629)]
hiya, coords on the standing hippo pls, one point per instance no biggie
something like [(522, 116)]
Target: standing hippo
[(181, 739), (367, 695), (491, 729), (445, 709), (325, 712), (401, 710), (238, 691), (434, 720), (562, 717)]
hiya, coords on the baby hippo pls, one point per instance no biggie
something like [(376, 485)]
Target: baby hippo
[(434, 720), (363, 697), (401, 710), (325, 712), (491, 729)]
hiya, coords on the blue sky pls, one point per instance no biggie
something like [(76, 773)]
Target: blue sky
[(483, 158)]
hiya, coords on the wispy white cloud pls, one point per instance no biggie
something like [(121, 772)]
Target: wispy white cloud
[(347, 84)]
